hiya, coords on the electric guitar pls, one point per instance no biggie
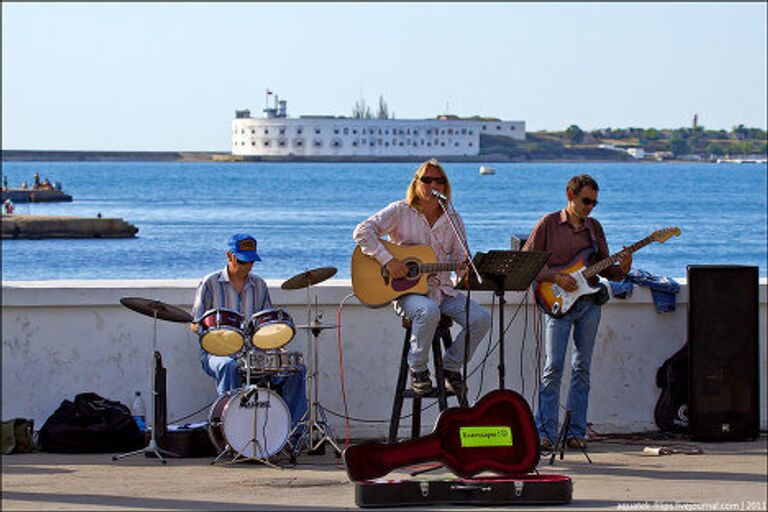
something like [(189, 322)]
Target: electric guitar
[(497, 434), (555, 301), (375, 287)]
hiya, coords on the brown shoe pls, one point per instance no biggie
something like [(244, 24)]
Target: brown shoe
[(545, 446), (421, 384), (454, 383), (575, 442)]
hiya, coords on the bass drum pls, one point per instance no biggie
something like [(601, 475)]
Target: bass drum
[(253, 422)]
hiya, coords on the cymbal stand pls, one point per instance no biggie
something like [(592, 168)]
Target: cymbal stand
[(152, 447), (317, 424)]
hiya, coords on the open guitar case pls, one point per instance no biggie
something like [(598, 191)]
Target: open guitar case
[(497, 435)]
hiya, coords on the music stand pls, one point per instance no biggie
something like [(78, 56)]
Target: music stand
[(504, 271)]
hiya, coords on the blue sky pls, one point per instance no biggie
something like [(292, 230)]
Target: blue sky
[(169, 76)]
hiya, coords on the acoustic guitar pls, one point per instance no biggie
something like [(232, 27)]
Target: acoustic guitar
[(375, 287), (555, 301), (496, 434)]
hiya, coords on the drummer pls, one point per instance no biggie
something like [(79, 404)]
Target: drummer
[(236, 288)]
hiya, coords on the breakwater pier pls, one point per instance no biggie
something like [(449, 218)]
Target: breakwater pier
[(38, 226)]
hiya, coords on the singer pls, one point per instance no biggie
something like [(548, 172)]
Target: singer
[(419, 219)]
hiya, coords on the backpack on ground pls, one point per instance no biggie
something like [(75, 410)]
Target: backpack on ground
[(90, 424), (18, 436)]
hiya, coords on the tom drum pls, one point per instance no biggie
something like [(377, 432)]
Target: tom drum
[(271, 328)]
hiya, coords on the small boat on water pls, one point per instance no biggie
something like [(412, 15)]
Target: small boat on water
[(41, 191), (485, 169)]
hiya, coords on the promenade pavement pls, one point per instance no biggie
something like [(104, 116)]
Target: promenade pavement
[(726, 476)]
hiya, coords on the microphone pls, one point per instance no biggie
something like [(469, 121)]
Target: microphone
[(439, 195)]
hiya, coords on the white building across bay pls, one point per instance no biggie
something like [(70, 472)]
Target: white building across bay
[(278, 135)]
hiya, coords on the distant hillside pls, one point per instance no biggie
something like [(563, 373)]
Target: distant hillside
[(538, 146)]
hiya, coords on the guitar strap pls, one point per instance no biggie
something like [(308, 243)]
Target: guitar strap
[(591, 231)]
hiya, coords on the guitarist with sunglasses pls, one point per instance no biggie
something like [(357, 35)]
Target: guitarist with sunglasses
[(570, 234), (419, 219)]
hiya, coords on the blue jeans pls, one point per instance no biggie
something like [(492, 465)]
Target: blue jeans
[(291, 387), (424, 314), (583, 319)]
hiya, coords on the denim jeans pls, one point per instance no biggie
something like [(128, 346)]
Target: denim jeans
[(291, 387), (424, 314), (583, 319)]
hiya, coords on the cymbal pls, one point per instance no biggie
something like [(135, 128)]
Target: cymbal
[(314, 276), (151, 307)]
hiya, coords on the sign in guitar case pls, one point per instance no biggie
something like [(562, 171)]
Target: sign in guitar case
[(497, 434)]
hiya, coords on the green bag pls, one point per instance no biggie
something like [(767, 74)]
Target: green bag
[(18, 436)]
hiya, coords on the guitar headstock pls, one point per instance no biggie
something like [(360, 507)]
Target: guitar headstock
[(664, 234)]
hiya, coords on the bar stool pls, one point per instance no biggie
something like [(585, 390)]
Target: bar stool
[(402, 391)]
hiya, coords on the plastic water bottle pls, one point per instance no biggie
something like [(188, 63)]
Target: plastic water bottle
[(139, 411)]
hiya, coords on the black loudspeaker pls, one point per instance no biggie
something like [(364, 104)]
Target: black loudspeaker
[(724, 399)]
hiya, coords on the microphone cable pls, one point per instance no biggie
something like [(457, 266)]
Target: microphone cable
[(341, 370)]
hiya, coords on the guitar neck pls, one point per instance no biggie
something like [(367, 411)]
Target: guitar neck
[(601, 265), (431, 268)]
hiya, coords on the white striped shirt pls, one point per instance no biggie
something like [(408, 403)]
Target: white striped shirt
[(405, 225), (216, 291)]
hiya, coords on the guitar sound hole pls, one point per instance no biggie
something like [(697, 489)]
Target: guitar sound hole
[(413, 269)]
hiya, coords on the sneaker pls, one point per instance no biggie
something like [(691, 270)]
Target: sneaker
[(454, 383), (575, 442), (545, 445), (421, 384)]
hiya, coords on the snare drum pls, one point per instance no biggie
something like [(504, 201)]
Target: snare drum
[(253, 422), (272, 362), (271, 328), (221, 332)]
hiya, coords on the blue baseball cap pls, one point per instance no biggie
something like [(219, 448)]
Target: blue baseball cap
[(243, 247)]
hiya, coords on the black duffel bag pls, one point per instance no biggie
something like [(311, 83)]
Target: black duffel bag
[(90, 424)]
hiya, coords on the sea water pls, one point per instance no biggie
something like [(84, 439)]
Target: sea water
[(303, 214)]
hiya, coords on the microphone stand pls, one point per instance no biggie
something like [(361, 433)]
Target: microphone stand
[(441, 199)]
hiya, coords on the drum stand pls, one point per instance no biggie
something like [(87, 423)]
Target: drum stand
[(317, 431), (152, 447), (253, 391)]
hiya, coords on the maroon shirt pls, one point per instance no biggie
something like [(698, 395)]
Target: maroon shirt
[(554, 234)]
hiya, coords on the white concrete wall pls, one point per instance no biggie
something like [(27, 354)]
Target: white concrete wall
[(61, 338)]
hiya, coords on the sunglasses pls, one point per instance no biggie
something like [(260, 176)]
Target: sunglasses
[(429, 179), (241, 262), (588, 202)]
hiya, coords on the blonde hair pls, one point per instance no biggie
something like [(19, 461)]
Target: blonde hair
[(411, 197)]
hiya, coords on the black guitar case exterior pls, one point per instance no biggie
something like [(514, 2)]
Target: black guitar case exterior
[(501, 490)]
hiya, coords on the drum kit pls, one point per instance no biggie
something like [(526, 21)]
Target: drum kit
[(253, 422)]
